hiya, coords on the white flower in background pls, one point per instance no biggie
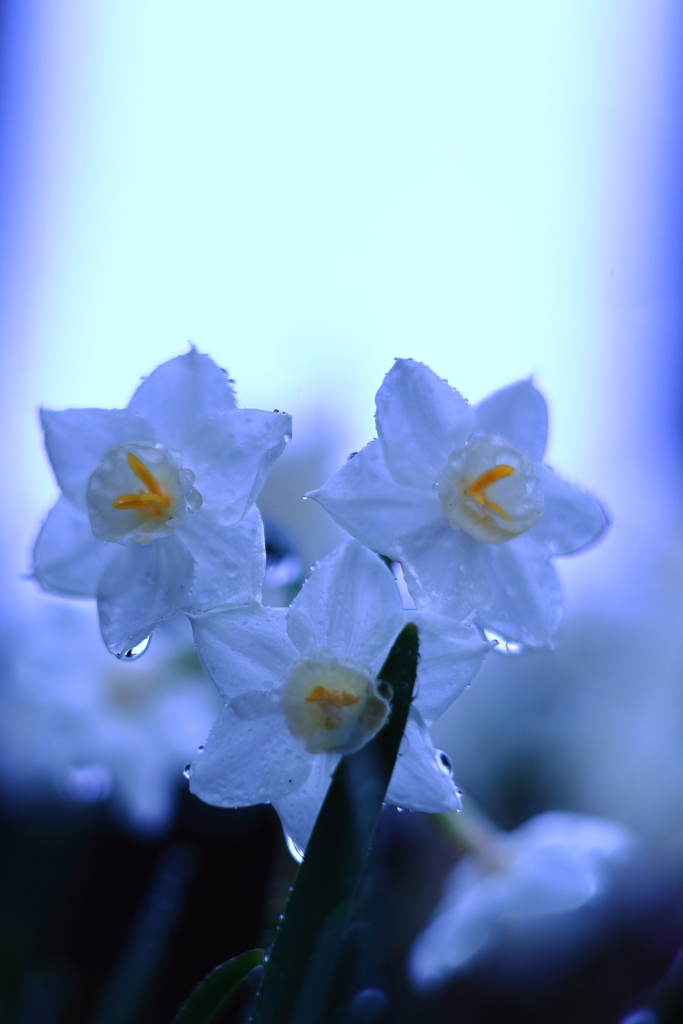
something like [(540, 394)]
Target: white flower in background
[(156, 513), (460, 497), (525, 884), (301, 690), (75, 720)]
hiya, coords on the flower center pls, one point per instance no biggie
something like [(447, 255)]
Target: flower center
[(490, 476), (153, 502), (329, 700), (122, 511), (490, 490), (333, 706)]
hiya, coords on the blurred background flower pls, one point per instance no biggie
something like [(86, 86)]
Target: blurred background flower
[(78, 722)]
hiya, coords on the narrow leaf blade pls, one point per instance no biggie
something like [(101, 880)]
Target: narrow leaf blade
[(319, 905), (212, 992)]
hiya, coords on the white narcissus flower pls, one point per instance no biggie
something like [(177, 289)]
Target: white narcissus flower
[(529, 880), (301, 690), (74, 719), (460, 497), (157, 508)]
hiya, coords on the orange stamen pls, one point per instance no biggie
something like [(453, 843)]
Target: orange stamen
[(490, 476), (330, 701), (151, 503)]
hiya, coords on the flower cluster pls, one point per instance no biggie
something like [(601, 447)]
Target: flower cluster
[(157, 516)]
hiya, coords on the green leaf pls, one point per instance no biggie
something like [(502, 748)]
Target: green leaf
[(212, 993), (300, 971)]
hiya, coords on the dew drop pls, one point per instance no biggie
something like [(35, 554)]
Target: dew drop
[(503, 644), (133, 653), (287, 437), (351, 456), (186, 771), (296, 851), (368, 1005), (201, 749), (444, 762), (385, 689), (255, 975)]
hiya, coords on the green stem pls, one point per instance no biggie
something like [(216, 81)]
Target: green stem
[(300, 971)]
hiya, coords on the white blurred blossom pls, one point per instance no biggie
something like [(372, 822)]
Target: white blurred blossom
[(516, 886), (75, 720), (461, 498)]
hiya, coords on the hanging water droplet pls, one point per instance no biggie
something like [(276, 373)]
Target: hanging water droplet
[(444, 762), (201, 749), (186, 771), (400, 810), (296, 851), (133, 653), (503, 644), (369, 1005)]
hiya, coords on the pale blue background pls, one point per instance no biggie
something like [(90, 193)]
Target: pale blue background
[(307, 190)]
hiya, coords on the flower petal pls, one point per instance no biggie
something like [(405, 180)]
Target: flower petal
[(366, 501), (230, 561), (525, 601), (451, 655), (76, 440), (445, 569), (67, 559), (461, 927), (244, 649), (571, 520), (249, 761), (418, 781), (181, 393), (144, 584), (299, 809), (420, 420), (512, 588), (231, 456), (349, 605), (519, 414)]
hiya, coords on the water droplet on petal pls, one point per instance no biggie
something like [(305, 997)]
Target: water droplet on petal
[(133, 653), (201, 748), (503, 644), (296, 851), (444, 762), (186, 771), (368, 1005)]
